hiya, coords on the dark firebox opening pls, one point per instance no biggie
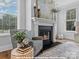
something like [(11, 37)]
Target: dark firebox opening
[(47, 33)]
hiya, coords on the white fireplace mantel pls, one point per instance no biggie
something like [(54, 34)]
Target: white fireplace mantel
[(43, 21), (36, 22)]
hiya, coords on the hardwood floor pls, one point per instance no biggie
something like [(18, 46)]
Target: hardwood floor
[(5, 55)]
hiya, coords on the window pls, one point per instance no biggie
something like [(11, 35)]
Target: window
[(70, 20), (8, 18)]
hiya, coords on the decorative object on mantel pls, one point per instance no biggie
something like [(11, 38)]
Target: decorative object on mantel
[(36, 9), (21, 39)]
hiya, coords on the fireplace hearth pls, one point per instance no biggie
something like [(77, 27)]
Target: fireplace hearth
[(47, 33)]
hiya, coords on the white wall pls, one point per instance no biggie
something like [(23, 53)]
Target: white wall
[(45, 9), (62, 19)]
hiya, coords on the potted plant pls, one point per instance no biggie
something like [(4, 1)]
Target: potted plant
[(24, 48), (19, 37)]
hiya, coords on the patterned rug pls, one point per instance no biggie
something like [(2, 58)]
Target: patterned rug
[(67, 50)]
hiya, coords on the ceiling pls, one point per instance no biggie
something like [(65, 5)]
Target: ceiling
[(64, 2)]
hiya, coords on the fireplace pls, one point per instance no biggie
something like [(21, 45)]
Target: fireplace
[(47, 33)]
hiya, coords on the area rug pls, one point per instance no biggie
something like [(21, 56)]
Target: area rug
[(67, 50)]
